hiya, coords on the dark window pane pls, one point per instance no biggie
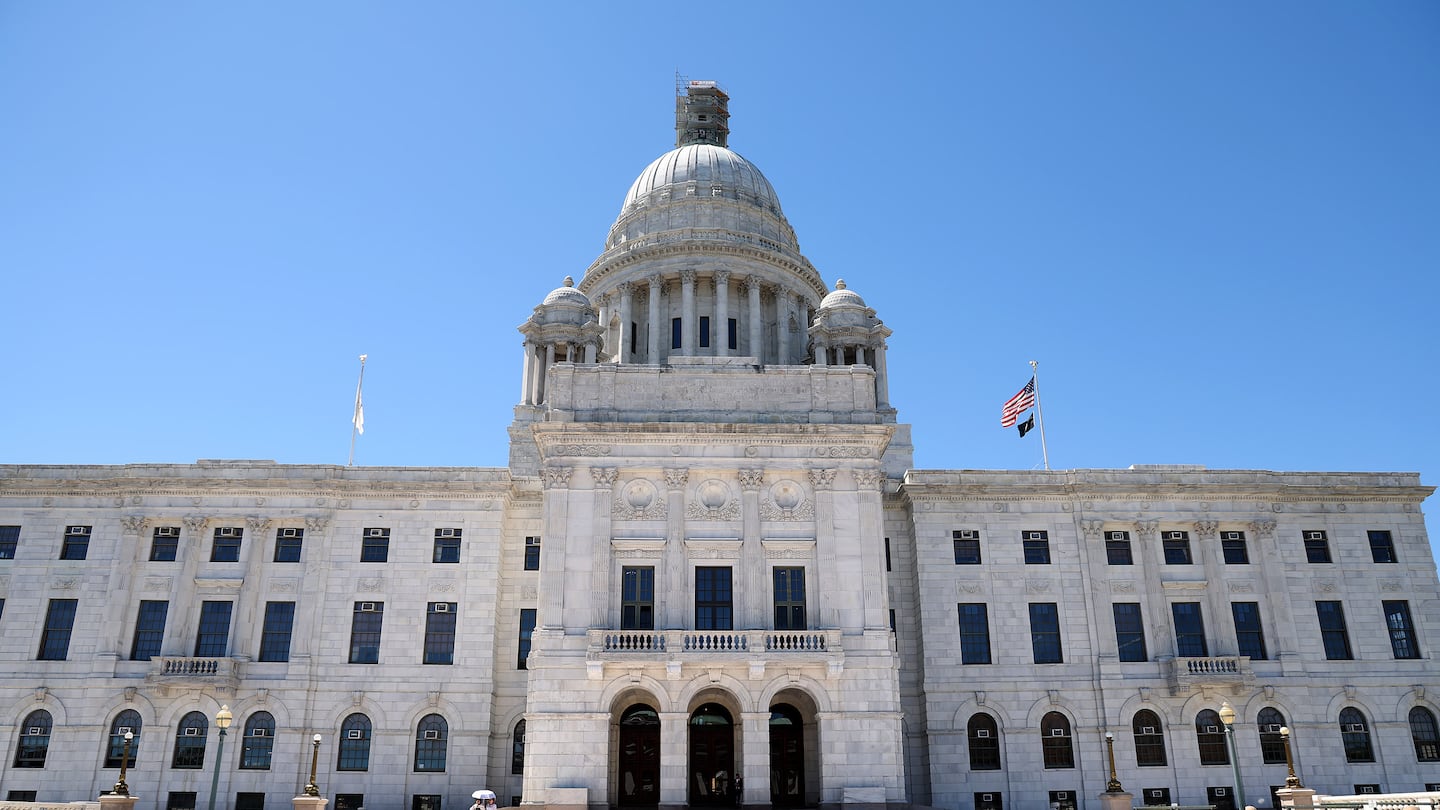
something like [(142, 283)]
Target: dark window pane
[(789, 598), (1210, 737), (637, 598), (1149, 739), (974, 633), (1232, 546), (532, 554), (257, 742), (1317, 547), (1117, 549), (9, 539), (365, 626), (55, 639), (1425, 735), (967, 547), (447, 546), (375, 545), (34, 740), (164, 544), (1332, 630), (226, 545), (1177, 548), (1248, 632), (149, 630), (76, 544), (275, 637), (1382, 547), (1037, 547), (1272, 744), (1355, 735), (354, 748), (190, 742), (984, 741), (1402, 631), (440, 632), (1129, 632), (527, 629), (431, 738), (1056, 745), (212, 640), (1045, 633), (126, 721), (288, 545), (713, 610), (1189, 630)]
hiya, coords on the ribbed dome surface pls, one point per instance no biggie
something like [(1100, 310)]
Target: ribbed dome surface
[(842, 297), (708, 166)]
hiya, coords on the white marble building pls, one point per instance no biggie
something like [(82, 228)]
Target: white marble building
[(710, 576)]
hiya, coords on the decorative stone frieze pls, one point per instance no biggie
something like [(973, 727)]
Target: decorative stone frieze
[(580, 450), (786, 501), (639, 500), (316, 525)]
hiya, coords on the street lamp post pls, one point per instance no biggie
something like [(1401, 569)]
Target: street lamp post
[(1113, 786), (1227, 716), (122, 789), (222, 722), (312, 789), (1291, 780)]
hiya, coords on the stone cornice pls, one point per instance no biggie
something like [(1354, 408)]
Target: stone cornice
[(620, 258), (607, 440)]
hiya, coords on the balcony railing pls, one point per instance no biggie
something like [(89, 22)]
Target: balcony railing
[(620, 645), (178, 671), (1212, 671)]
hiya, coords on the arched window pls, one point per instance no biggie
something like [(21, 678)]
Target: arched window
[(354, 753), (1055, 741), (431, 737), (1149, 738), (190, 742), (1425, 735), (984, 743), (126, 721), (258, 742), (1355, 734), (34, 740), (517, 749), (1272, 745), (1211, 737)]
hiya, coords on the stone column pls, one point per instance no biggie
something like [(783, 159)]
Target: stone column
[(782, 328), (544, 372), (627, 296), (826, 562), (752, 553), (1264, 547), (1154, 605), (590, 351), (870, 485), (676, 576), (127, 561), (1205, 546), (184, 601), (752, 289), (882, 378), (304, 636), (755, 770), (602, 566), (674, 759), (527, 374), (249, 602), (603, 303), (689, 346), (722, 313), (821, 352), (552, 554), (652, 343)]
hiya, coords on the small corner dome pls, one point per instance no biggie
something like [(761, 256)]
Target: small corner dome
[(842, 297), (567, 294)]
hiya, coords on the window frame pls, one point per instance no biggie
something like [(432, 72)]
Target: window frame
[(289, 549), (59, 624), (1424, 735), (352, 753), (447, 547), (1057, 750), (1118, 550), (790, 611), (637, 597), (189, 750), (1189, 629), (525, 637), (431, 750), (367, 628), (1404, 643), (1045, 642), (984, 749), (257, 750), (375, 548), (966, 544), (75, 545), (532, 554), (1317, 548), (1149, 746), (149, 636), (439, 645), (1035, 550), (1175, 546), (1234, 550), (227, 551), (32, 750), (1211, 744), (1384, 548), (974, 621), (165, 547), (277, 632), (1272, 743), (115, 744), (714, 598), (212, 635), (1334, 634), (9, 542), (1357, 743), (1132, 634), (1249, 638)]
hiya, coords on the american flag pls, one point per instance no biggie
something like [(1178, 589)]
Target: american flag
[(1018, 404)]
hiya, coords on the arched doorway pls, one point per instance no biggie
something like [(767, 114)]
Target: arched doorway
[(639, 776), (787, 756), (712, 756)]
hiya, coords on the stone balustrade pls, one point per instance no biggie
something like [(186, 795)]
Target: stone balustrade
[(1217, 671), (618, 645)]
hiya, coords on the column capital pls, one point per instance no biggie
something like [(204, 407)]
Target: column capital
[(751, 480), (604, 476), (687, 276), (675, 478), (752, 284), (1207, 528), (1147, 528), (822, 479), (555, 477), (721, 276)]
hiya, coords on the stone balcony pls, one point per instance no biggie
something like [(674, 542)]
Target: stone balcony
[(1218, 672), (172, 672), (675, 648)]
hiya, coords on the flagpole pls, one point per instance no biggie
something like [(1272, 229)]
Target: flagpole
[(359, 418), (1040, 414)]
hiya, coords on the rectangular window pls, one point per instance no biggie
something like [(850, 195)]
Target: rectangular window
[(1177, 548), (1232, 546), (351, 801), (1249, 635), (789, 598), (887, 555), (1160, 797), (20, 796), (76, 544), (1219, 798), (9, 539), (1129, 631), (704, 332), (1382, 547), (164, 544), (532, 554), (226, 544), (440, 632), (527, 630), (1332, 630), (637, 598), (733, 333), (634, 330), (275, 636), (425, 801), (180, 800), (1062, 800), (989, 801), (1402, 631), (55, 640), (675, 331), (212, 640), (447, 545), (249, 801), (1117, 549), (375, 545), (1189, 630), (149, 630), (1045, 633), (967, 546), (288, 544), (1317, 547), (365, 625), (1037, 547), (712, 598), (974, 633)]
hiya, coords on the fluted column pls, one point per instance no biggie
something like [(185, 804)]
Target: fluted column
[(527, 376), (782, 328), (1162, 635), (882, 378), (754, 608), (870, 487), (652, 343), (688, 321), (676, 605), (626, 302), (752, 288), (544, 370), (553, 552), (600, 569), (722, 313)]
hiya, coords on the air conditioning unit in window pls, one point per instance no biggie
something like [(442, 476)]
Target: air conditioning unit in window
[(1062, 794), (982, 733), (227, 531), (446, 532), (34, 731), (987, 797), (1367, 788), (1057, 732), (967, 534), (1232, 536), (1354, 728), (442, 607), (1034, 535), (1147, 729), (192, 732), (1314, 535), (259, 732), (1155, 794), (1272, 728), (123, 730), (354, 734), (1212, 729), (367, 607), (1115, 536), (77, 531), (1174, 535), (374, 532), (290, 532), (167, 531), (532, 541), (432, 734), (1219, 791)]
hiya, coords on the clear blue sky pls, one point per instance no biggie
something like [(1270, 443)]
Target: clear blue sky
[(1215, 224)]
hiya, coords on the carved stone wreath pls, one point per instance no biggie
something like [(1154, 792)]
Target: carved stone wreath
[(638, 500)]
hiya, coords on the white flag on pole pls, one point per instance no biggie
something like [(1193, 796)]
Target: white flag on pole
[(359, 418)]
